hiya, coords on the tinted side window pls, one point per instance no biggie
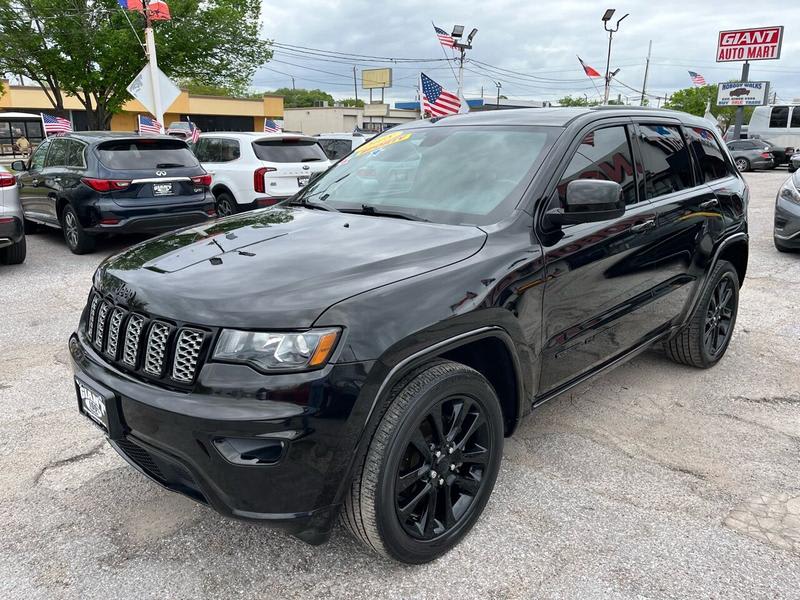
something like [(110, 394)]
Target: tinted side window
[(336, 149), (288, 150), (57, 157), (37, 161), (201, 149), (666, 160), (735, 145), (603, 154), (710, 158), (795, 117), (75, 154), (779, 117), (217, 150)]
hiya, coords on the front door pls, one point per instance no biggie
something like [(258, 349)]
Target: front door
[(32, 191), (595, 290)]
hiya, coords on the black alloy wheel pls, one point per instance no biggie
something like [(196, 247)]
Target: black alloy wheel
[(442, 468), (78, 241), (430, 466), (719, 317)]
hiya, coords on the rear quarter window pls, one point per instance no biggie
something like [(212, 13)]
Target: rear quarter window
[(779, 117), (710, 158), (145, 154), (288, 150), (667, 165)]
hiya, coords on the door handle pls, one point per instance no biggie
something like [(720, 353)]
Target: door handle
[(56, 178), (645, 226), (709, 204)]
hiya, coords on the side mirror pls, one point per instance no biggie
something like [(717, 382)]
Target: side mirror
[(588, 201), (19, 165)]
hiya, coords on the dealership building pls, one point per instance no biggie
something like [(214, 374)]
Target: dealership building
[(20, 108)]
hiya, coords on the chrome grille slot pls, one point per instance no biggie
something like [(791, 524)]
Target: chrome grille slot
[(92, 314), (130, 352), (187, 350), (114, 329), (156, 348), (100, 328)]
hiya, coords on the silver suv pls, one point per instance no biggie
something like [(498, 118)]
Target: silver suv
[(12, 229)]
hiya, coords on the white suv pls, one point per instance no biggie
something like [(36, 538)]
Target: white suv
[(253, 170)]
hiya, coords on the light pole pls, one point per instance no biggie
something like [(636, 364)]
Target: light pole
[(611, 31), (499, 85), (458, 33)]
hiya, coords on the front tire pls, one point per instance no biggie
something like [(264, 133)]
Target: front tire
[(430, 467), (15, 253), (704, 340), (78, 241)]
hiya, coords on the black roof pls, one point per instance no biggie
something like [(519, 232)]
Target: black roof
[(560, 116), (102, 136)]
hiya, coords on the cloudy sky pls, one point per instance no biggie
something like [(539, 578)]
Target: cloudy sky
[(534, 43)]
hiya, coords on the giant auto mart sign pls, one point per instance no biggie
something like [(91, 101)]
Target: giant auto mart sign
[(763, 43)]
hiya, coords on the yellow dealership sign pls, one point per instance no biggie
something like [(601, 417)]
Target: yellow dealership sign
[(376, 78)]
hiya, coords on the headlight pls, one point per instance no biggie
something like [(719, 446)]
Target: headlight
[(790, 192), (277, 351)]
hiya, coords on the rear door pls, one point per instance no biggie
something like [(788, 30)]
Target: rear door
[(289, 163), (687, 220), (53, 173)]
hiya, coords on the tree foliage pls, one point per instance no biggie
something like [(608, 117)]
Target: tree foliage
[(693, 100), (352, 102), (300, 98), (584, 101), (88, 49)]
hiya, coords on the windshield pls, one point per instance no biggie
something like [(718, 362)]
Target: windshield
[(146, 154), (458, 175)]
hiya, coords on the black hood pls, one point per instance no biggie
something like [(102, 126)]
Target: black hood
[(277, 268)]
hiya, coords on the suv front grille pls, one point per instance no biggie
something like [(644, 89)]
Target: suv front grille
[(169, 352)]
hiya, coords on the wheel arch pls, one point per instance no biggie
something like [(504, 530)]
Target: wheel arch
[(222, 188)]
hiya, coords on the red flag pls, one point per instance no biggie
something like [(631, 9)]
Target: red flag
[(159, 11), (590, 72), (132, 5)]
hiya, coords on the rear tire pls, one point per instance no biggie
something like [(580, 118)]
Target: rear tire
[(15, 253), (713, 321), (226, 204), (406, 502), (78, 241), (742, 164)]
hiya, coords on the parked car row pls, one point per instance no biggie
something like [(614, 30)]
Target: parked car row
[(756, 153)]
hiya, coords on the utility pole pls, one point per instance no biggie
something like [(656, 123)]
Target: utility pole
[(457, 35), (292, 76), (499, 85), (737, 129), (152, 61), (355, 84), (611, 31), (646, 69)]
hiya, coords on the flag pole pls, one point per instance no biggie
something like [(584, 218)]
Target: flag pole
[(421, 108), (597, 89), (152, 62)]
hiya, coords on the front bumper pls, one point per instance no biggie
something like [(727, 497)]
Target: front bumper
[(190, 442), (10, 231), (787, 223)]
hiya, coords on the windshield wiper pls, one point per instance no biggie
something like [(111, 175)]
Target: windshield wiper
[(319, 205), (371, 211)]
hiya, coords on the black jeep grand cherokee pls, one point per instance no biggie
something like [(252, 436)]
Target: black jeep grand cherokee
[(362, 349)]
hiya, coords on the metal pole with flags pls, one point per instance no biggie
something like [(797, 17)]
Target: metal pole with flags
[(150, 43)]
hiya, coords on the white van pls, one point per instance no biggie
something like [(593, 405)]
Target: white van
[(779, 124)]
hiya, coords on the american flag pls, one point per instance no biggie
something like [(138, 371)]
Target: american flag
[(445, 39), (148, 125), (194, 136), (55, 125), (697, 79), (436, 100), (271, 126)]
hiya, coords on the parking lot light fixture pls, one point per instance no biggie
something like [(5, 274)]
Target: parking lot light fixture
[(458, 31), (608, 14), (472, 35), (611, 31)]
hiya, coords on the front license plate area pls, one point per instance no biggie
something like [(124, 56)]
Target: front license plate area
[(92, 404), (303, 181), (163, 189)]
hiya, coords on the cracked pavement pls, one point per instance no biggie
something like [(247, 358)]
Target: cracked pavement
[(652, 481)]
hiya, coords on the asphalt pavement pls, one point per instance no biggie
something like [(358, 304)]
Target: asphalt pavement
[(652, 481)]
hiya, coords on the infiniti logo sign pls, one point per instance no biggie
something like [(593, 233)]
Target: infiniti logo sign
[(161, 173)]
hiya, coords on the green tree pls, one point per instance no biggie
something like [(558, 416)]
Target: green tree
[(87, 48), (693, 100), (577, 101), (300, 98), (352, 102)]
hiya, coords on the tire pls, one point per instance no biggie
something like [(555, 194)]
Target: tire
[(226, 204), (742, 164), (78, 241), (15, 253), (372, 511), (780, 247), (689, 345), (791, 169)]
